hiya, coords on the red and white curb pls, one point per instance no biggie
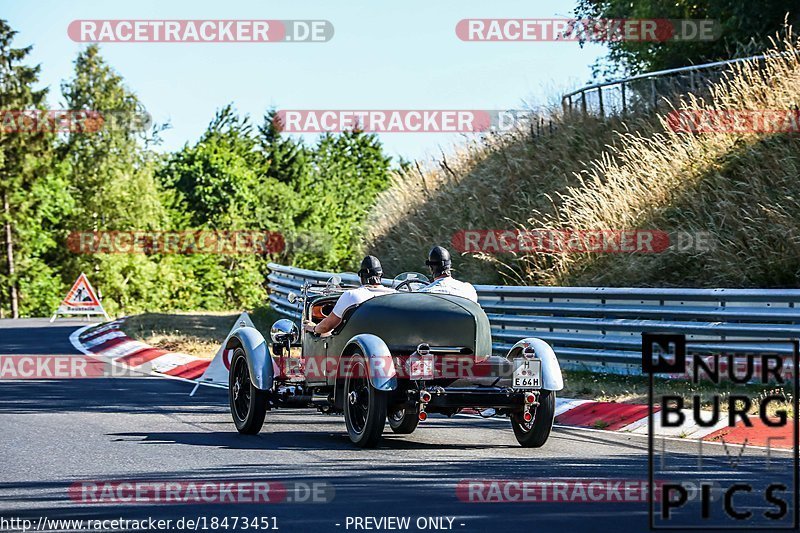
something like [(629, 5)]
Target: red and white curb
[(633, 418), (109, 341)]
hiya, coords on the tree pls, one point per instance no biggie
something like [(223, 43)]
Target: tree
[(111, 178), (745, 29), (112, 172), (224, 182), (288, 159), (30, 187), (349, 170)]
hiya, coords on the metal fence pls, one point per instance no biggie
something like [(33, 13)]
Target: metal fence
[(600, 329), (647, 92)]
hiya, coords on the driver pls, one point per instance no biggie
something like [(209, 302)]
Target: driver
[(370, 274), (444, 283)]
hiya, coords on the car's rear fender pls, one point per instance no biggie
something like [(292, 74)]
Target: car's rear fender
[(259, 360), (382, 374), (551, 370)]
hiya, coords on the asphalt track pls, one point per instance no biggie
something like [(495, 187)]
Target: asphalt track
[(54, 433)]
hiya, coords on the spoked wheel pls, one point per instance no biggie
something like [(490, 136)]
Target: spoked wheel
[(364, 405), (248, 404), (403, 421), (534, 434)]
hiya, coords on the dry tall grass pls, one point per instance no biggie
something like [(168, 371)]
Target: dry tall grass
[(593, 174), (496, 183)]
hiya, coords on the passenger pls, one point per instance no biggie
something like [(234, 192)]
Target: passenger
[(444, 283), (370, 275)]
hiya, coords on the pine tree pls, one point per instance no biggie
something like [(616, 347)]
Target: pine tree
[(288, 159), (112, 179), (27, 185)]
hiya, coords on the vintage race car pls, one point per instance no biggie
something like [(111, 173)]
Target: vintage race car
[(399, 357)]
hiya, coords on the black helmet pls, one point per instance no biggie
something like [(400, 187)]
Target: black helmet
[(439, 260), (371, 270)]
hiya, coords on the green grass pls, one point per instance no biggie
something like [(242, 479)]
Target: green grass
[(195, 333)]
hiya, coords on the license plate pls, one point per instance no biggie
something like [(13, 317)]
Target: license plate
[(527, 374), (421, 367)]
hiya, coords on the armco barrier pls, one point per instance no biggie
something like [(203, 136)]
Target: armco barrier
[(599, 328)]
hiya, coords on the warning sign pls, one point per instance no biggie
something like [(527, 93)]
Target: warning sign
[(81, 300)]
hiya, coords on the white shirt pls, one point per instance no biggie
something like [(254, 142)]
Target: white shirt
[(358, 296), (450, 285)]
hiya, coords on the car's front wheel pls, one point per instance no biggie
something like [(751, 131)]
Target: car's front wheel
[(534, 434), (248, 404), (364, 405), (403, 421)]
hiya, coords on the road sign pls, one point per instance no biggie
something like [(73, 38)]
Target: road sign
[(81, 300)]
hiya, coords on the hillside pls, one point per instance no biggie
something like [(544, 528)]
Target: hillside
[(741, 189)]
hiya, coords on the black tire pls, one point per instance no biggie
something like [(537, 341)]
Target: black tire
[(403, 421), (248, 404), (364, 406), (534, 434)]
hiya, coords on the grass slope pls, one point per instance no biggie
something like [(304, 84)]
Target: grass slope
[(741, 188)]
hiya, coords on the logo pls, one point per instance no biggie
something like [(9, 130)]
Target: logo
[(663, 354), (735, 398), (579, 241), (196, 491), (71, 121), (403, 120), (588, 30), (734, 121), (225, 242), (199, 31)]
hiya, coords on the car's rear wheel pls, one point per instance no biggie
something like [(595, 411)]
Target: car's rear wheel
[(534, 434), (364, 405), (403, 421), (248, 404)]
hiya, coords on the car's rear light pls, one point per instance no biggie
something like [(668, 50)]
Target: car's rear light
[(423, 416), (424, 396), (530, 398), (527, 416), (528, 352)]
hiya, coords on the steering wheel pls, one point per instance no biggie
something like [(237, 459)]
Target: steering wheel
[(405, 285)]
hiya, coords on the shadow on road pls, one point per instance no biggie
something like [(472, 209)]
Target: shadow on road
[(53, 340), (107, 395)]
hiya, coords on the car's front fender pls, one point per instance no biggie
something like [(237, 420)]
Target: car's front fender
[(382, 374), (259, 361), (551, 370)]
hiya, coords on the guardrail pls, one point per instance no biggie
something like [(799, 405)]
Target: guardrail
[(596, 328), (646, 91)]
